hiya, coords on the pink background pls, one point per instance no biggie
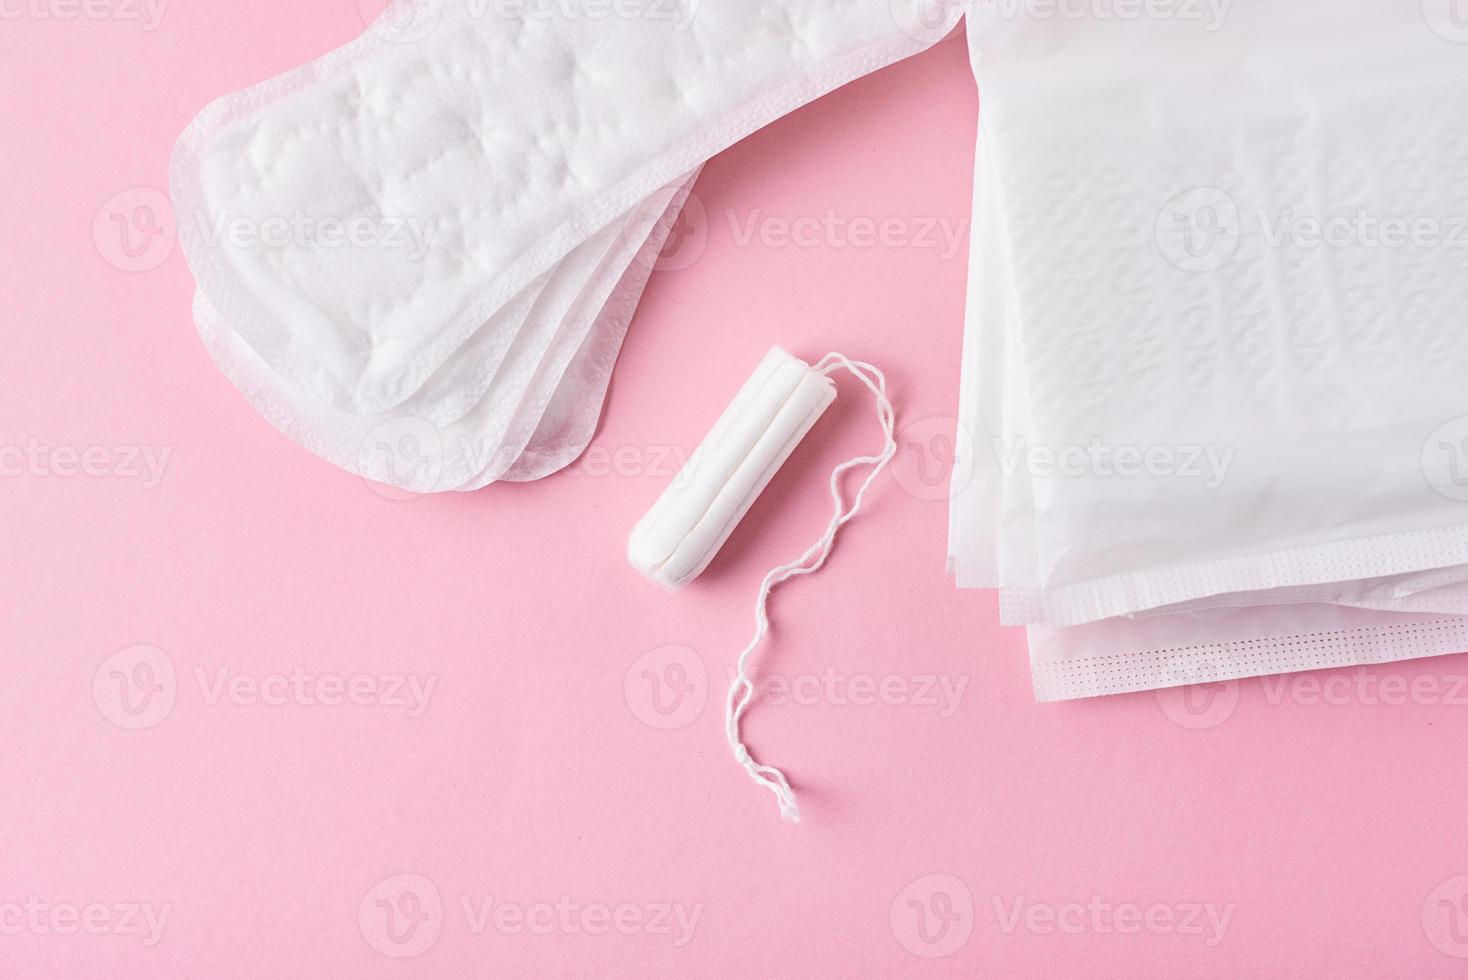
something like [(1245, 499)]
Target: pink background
[(566, 754)]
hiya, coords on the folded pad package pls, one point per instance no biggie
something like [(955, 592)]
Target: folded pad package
[(1213, 367)]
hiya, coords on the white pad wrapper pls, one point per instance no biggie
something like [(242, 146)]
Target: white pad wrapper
[(759, 430), (1148, 275)]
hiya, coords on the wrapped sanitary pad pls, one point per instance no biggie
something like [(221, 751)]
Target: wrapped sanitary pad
[(1214, 362)]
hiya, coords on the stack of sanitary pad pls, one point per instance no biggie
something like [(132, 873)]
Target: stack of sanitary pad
[(418, 256), (1215, 373)]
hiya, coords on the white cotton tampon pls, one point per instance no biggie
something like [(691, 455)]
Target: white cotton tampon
[(689, 523), (698, 511)]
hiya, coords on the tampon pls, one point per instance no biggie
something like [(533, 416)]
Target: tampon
[(759, 430)]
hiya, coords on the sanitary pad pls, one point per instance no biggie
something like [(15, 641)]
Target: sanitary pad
[(417, 256), (1213, 368)]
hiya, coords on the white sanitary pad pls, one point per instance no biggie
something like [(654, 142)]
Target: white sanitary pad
[(434, 237), (1213, 399)]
